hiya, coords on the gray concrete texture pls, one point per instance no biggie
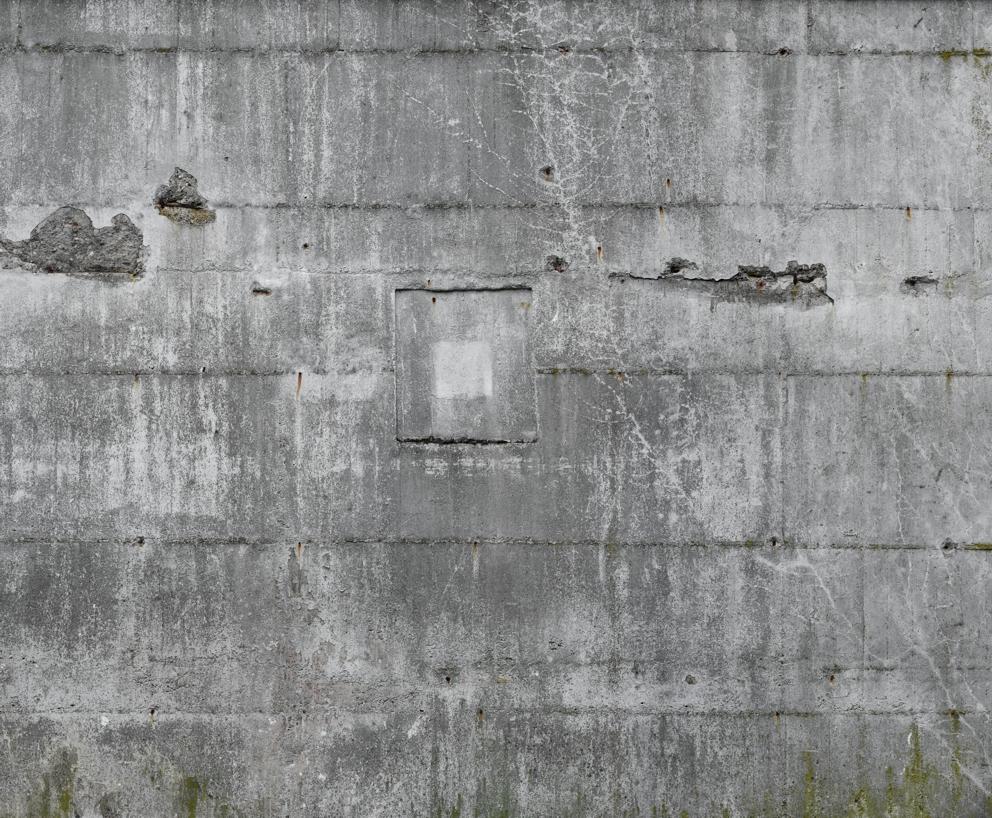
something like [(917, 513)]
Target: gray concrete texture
[(495, 408)]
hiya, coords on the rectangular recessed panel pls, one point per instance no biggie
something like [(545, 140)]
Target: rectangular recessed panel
[(463, 368)]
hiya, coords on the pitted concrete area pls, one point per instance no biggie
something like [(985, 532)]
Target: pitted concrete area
[(497, 408)]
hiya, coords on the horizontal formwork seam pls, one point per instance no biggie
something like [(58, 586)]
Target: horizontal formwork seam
[(545, 371), (524, 50), (756, 545)]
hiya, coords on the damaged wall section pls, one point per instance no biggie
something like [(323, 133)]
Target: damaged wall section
[(802, 284), (66, 242), (181, 201)]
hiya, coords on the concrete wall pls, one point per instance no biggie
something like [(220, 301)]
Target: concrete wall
[(470, 446)]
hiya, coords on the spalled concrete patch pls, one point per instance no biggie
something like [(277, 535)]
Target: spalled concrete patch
[(181, 201), (802, 284), (920, 285), (66, 242)]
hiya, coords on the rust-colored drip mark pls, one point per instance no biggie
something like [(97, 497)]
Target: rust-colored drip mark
[(481, 715), (135, 381), (909, 212), (299, 551), (433, 299), (299, 384), (668, 183), (661, 214), (599, 252)]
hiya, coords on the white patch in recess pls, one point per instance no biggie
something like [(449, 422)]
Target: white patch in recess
[(462, 369)]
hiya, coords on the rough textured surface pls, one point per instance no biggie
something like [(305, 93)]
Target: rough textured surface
[(66, 242), (804, 284), (735, 557), (180, 200)]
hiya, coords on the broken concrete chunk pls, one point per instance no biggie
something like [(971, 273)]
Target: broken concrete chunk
[(181, 201), (795, 279), (180, 192), (802, 283), (66, 242)]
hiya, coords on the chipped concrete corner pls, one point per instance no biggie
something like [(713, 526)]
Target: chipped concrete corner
[(557, 409)]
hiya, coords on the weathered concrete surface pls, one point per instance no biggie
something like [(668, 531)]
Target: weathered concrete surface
[(692, 530), (463, 366)]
